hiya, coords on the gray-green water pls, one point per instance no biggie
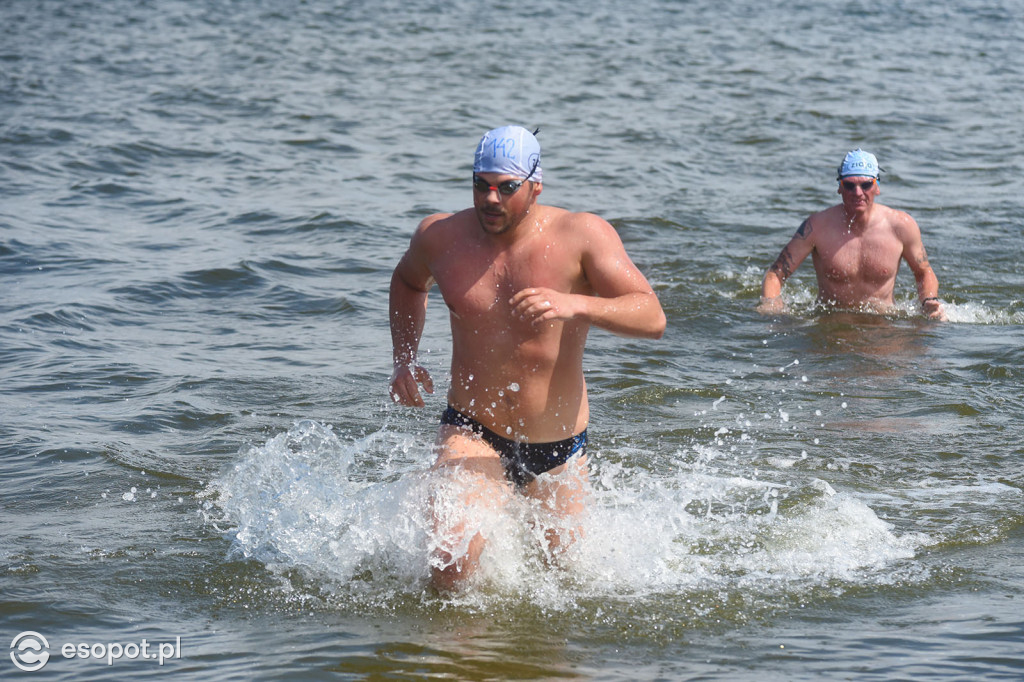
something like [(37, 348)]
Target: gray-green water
[(200, 207)]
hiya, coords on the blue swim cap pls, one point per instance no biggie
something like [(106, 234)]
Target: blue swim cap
[(509, 150), (859, 163)]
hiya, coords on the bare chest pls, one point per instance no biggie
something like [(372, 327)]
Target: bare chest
[(860, 259), (478, 284)]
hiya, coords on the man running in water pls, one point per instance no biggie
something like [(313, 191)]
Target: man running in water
[(523, 284)]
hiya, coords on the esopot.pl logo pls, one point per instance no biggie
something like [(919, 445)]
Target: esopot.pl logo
[(30, 651)]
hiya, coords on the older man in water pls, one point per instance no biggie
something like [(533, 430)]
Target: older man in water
[(523, 284), (857, 247)]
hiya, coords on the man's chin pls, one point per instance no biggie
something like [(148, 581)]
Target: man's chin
[(492, 224)]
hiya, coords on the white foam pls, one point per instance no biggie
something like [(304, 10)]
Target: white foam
[(294, 503), (291, 502), (980, 313)]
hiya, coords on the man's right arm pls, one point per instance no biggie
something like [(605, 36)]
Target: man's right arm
[(792, 255), (407, 310)]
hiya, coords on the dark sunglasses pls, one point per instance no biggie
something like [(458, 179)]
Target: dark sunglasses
[(850, 185), (506, 188)]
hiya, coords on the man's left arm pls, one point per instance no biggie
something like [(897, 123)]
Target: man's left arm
[(624, 302), (917, 259)]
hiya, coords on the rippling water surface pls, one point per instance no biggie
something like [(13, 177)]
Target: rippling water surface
[(200, 207)]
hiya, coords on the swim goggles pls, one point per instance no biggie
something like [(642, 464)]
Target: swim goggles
[(850, 185), (506, 188)]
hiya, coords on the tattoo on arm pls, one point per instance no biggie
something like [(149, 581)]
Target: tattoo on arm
[(783, 265)]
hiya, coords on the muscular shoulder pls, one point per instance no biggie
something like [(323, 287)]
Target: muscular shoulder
[(429, 239), (434, 225), (902, 224), (812, 226), (583, 228), (438, 230)]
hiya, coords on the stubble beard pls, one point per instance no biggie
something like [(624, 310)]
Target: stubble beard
[(508, 222), (491, 227)]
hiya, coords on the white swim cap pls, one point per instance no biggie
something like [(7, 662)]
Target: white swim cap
[(509, 150), (859, 163)]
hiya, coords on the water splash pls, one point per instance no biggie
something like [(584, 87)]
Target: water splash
[(295, 504), (981, 313), (291, 503), (800, 295)]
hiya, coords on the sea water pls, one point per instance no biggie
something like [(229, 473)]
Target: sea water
[(200, 208)]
